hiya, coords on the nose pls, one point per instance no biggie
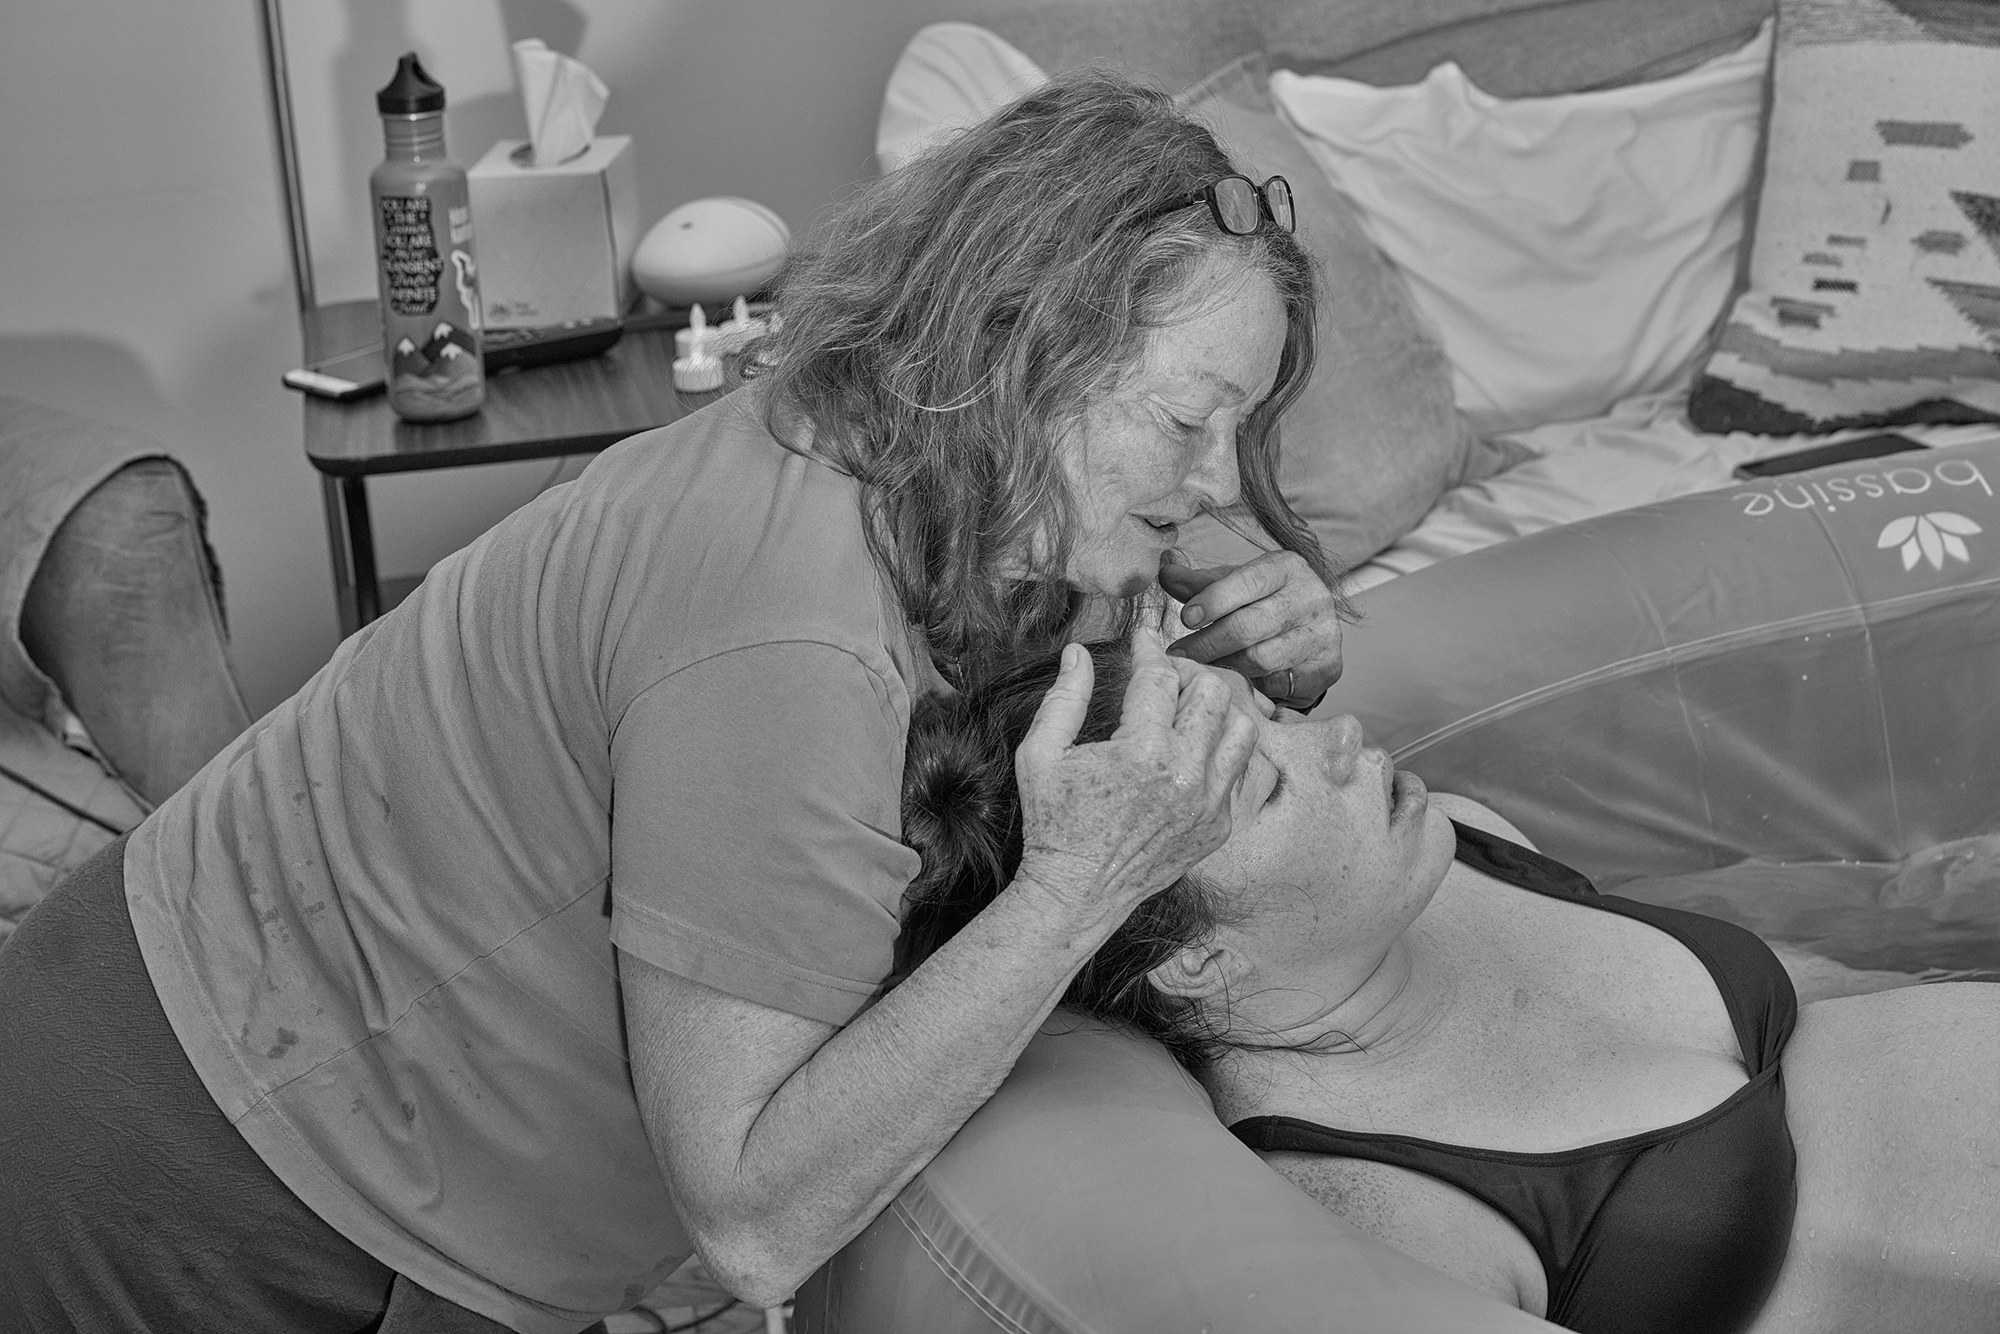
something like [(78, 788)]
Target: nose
[(1214, 477), (1344, 743)]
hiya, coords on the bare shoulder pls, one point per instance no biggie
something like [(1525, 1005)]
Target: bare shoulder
[(1480, 816), (1425, 1219)]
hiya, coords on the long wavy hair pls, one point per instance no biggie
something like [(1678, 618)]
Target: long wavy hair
[(962, 815), (952, 320)]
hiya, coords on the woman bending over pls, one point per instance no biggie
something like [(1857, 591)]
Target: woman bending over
[(1608, 1113), (529, 947)]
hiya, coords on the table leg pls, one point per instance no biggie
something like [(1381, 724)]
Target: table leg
[(361, 550), (357, 592)]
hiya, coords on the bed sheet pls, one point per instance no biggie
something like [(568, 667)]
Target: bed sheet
[(1640, 452)]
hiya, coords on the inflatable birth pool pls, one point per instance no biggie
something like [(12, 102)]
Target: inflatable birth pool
[(1779, 703)]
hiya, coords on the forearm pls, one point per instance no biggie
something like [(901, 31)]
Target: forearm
[(820, 1154), (782, 1137)]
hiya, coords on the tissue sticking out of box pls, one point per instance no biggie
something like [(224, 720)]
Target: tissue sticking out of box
[(562, 99)]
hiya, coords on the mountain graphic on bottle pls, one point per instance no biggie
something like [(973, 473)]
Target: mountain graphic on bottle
[(439, 357), (439, 380)]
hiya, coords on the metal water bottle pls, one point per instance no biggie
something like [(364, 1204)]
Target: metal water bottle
[(425, 271)]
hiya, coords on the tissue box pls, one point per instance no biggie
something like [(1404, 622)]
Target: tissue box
[(555, 243)]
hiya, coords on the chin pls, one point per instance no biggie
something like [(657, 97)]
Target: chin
[(1440, 839), (1115, 583)]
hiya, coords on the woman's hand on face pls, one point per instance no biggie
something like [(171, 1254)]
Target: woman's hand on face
[(1272, 619), (1106, 825)]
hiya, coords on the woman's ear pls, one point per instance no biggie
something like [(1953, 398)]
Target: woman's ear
[(1196, 972)]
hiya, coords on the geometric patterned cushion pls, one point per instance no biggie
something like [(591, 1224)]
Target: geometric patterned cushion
[(1873, 290)]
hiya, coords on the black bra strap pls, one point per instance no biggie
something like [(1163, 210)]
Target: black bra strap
[(1504, 859)]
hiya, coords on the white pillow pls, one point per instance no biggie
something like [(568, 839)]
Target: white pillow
[(1571, 250), (949, 76)]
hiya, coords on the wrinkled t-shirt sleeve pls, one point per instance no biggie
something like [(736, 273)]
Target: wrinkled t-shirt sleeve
[(754, 827)]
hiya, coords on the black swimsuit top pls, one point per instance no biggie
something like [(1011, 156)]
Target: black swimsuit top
[(1679, 1229)]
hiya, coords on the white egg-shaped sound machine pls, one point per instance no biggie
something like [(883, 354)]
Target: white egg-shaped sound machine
[(711, 251)]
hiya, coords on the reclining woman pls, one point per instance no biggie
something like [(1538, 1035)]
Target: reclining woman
[(1611, 1114)]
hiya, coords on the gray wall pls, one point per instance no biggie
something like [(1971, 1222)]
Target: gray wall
[(144, 276)]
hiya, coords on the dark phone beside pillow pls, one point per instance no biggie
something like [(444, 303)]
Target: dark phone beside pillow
[(1876, 446)]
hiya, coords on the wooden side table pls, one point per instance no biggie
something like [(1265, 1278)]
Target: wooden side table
[(541, 412)]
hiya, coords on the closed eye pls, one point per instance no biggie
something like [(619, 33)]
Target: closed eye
[(1247, 786), (1179, 418)]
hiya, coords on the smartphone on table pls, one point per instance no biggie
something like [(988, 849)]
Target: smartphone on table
[(357, 374), (347, 375)]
